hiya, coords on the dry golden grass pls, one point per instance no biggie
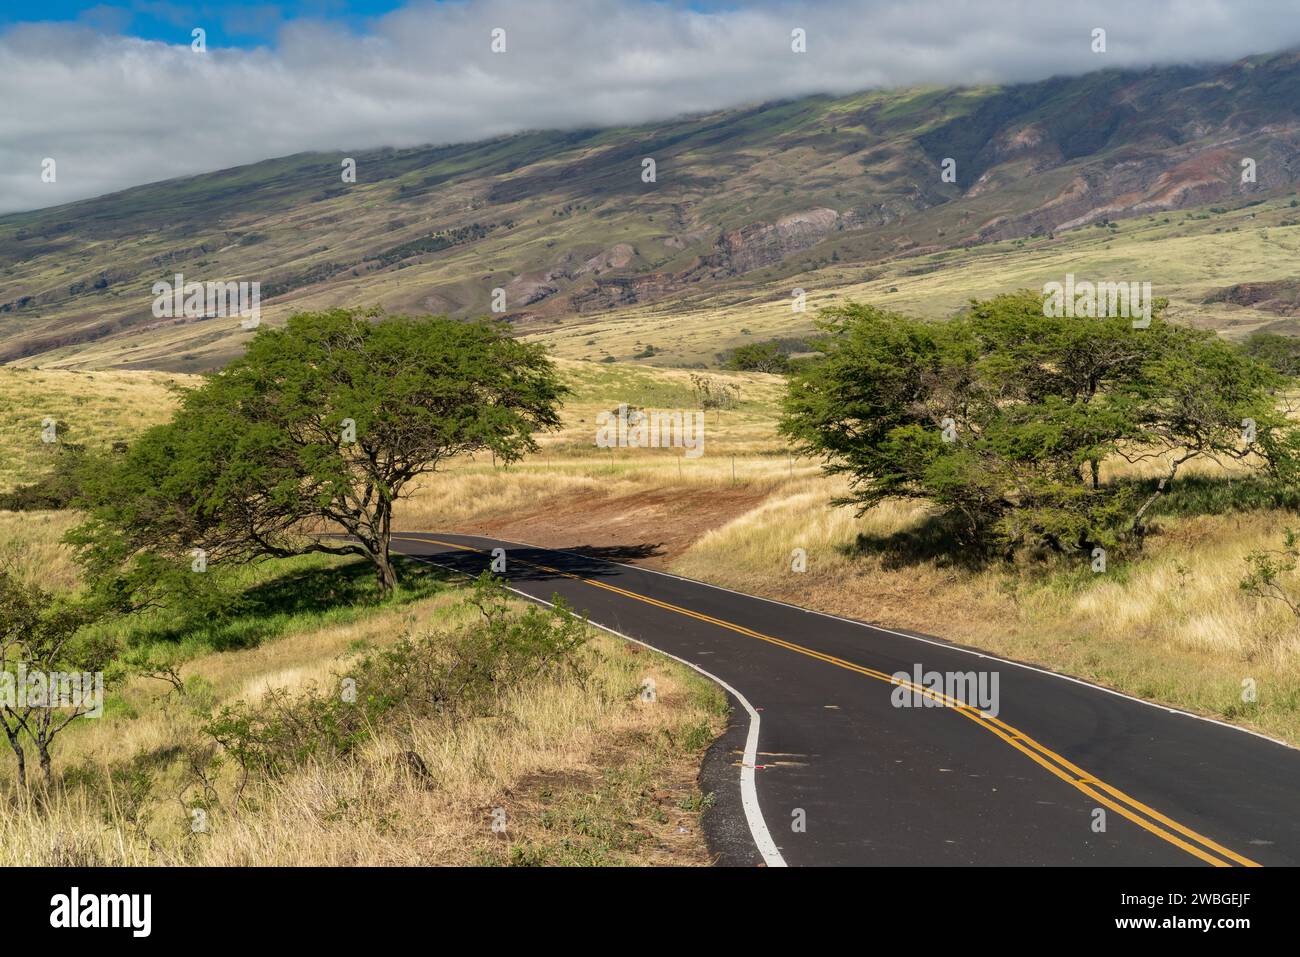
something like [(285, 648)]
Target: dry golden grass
[(540, 761), (741, 450), (30, 545), (98, 408), (471, 492), (587, 773)]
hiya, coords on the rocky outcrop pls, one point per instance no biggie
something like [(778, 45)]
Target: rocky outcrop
[(1280, 297), (624, 291), (761, 244)]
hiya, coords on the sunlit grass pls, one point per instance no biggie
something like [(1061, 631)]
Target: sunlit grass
[(553, 747), (98, 409)]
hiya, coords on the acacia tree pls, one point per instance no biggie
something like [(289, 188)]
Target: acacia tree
[(322, 424), (48, 665), (1004, 415)]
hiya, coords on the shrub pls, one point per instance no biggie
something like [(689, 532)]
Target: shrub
[(417, 677)]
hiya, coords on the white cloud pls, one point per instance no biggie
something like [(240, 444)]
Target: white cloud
[(115, 111)]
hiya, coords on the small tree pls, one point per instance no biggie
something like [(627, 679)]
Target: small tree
[(760, 357), (322, 424), (46, 665), (1270, 569), (713, 393)]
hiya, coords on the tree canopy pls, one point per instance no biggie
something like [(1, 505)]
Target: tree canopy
[(1003, 416), (321, 426)]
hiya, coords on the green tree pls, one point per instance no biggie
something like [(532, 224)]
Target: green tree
[(48, 667), (1280, 352), (759, 357), (321, 425), (1004, 416)]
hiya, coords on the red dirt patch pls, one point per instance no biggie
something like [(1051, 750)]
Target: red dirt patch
[(649, 528)]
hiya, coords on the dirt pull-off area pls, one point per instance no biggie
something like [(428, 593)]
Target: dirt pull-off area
[(649, 528)]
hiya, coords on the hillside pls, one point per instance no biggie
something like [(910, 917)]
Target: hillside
[(831, 193)]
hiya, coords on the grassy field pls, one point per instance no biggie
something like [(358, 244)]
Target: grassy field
[(89, 408), (587, 772)]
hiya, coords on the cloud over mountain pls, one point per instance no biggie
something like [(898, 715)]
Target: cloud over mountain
[(115, 111)]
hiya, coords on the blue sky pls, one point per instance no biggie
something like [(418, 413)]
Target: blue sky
[(229, 24), (232, 23)]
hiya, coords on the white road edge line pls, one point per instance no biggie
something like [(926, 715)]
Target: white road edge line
[(748, 790), (890, 631)]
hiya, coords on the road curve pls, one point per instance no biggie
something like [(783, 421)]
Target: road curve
[(848, 766)]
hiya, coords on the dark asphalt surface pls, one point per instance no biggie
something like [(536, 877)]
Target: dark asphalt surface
[(879, 784)]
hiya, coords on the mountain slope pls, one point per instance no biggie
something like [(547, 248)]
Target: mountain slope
[(565, 224)]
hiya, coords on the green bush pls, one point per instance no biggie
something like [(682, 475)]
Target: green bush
[(460, 676), (1279, 352), (759, 357)]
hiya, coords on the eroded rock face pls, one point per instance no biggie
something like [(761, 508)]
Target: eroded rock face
[(1280, 297), (761, 244), (734, 252), (624, 291), (617, 256), (532, 288)]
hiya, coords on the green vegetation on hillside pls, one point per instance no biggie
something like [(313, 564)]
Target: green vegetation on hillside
[(821, 193)]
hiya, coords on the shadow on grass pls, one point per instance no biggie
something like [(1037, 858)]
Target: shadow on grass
[(1221, 495), (936, 540), (326, 594), (940, 538)]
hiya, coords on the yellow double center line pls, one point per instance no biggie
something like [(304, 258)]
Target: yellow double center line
[(1134, 810)]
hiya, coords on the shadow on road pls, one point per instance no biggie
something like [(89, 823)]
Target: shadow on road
[(522, 564), (619, 553)]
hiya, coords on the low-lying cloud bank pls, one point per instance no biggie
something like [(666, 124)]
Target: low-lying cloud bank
[(115, 111)]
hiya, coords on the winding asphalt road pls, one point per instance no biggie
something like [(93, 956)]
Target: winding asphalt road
[(832, 761)]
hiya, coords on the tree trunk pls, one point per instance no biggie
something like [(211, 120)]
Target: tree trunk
[(383, 537), (384, 574), (20, 755), (1137, 519), (47, 771)]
